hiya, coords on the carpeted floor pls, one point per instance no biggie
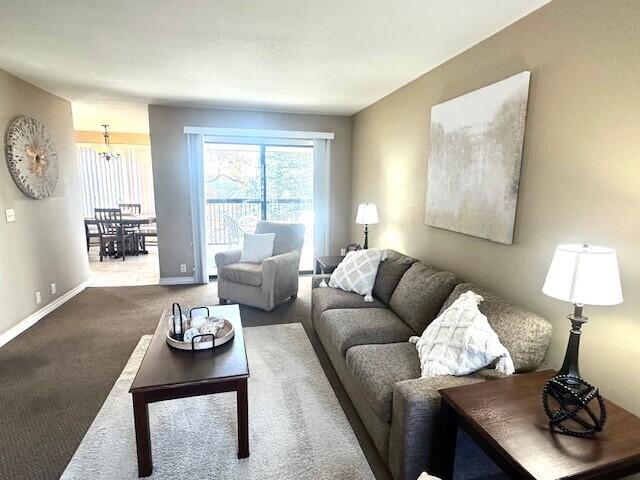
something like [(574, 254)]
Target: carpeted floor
[(55, 377)]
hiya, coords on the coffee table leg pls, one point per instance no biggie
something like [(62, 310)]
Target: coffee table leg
[(143, 436), (243, 418)]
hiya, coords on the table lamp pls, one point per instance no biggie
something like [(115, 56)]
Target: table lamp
[(582, 275), (367, 215)]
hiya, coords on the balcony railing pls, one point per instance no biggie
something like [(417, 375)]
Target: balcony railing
[(245, 213)]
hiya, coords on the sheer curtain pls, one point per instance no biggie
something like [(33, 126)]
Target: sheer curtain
[(128, 179), (321, 195), (195, 159)]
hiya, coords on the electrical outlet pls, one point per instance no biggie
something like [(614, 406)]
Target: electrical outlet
[(343, 251), (10, 213), (38, 297), (53, 289), (183, 268)]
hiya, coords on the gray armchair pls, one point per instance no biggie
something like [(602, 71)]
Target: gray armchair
[(267, 284)]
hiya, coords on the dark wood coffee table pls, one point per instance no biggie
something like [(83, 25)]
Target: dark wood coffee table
[(506, 419), (167, 373)]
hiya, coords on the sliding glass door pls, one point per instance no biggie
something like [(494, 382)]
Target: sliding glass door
[(248, 182)]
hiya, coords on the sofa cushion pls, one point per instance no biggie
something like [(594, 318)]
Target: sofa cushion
[(344, 328), (420, 294), (377, 368), (525, 334), (331, 298), (246, 273), (389, 274)]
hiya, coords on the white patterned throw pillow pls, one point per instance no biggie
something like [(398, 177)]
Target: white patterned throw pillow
[(357, 272), (461, 341)]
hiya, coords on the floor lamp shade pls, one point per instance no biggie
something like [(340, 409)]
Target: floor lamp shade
[(584, 274)]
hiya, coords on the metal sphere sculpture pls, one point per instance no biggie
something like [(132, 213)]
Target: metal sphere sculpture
[(574, 413)]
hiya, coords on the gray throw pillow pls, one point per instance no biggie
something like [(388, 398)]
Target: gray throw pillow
[(420, 294), (389, 274)]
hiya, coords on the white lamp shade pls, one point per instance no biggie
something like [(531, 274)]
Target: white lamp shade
[(367, 214), (585, 274)]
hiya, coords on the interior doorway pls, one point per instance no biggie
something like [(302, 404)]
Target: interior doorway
[(124, 185)]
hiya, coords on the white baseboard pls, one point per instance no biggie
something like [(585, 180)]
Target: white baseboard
[(32, 319), (176, 280)]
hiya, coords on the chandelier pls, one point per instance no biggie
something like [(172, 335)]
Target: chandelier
[(105, 151)]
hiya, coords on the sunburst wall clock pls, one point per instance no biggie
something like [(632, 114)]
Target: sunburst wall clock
[(31, 157)]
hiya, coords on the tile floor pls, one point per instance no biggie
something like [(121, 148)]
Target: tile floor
[(135, 270)]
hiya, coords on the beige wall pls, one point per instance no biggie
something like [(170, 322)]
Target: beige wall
[(580, 176), (46, 243), (171, 176)]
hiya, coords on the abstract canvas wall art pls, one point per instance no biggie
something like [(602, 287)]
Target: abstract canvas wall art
[(474, 162)]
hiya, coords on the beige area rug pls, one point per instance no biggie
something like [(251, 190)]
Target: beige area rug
[(297, 427)]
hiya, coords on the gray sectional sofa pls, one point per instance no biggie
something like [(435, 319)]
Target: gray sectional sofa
[(368, 346)]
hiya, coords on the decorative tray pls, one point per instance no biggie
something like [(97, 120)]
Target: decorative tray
[(197, 332)]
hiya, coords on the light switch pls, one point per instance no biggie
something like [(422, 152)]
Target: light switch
[(10, 214)]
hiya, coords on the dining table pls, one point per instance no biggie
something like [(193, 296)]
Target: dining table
[(128, 220)]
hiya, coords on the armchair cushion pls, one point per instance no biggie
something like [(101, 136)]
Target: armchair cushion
[(289, 236), (246, 273)]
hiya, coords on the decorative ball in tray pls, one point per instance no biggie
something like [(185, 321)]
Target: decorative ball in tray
[(197, 332)]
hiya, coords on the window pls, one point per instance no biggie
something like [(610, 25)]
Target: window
[(248, 182)]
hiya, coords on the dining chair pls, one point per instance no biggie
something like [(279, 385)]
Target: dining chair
[(130, 208), (148, 236), (133, 209), (91, 233), (113, 233)]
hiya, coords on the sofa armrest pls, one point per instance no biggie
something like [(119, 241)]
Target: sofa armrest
[(280, 274), (416, 410), (316, 280), (227, 257)]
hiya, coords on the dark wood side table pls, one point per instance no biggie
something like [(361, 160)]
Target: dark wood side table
[(328, 264), (506, 419), (167, 373)]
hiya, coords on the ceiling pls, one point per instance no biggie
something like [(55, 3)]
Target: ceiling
[(330, 56)]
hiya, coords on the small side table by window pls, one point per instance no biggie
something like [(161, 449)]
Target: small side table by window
[(328, 264), (506, 419)]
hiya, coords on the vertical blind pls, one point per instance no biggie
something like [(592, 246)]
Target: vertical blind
[(128, 179)]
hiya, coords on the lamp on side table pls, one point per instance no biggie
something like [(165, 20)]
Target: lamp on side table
[(582, 275), (367, 215)]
